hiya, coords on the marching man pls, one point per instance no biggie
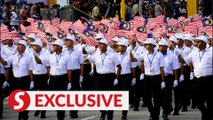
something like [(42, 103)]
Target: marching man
[(105, 63)]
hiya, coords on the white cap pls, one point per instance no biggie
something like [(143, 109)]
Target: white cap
[(150, 41), (32, 35), (163, 42), (123, 42), (37, 42), (202, 38), (70, 37), (99, 36), (180, 36), (104, 41), (173, 38), (23, 42), (116, 39), (189, 37), (59, 43)]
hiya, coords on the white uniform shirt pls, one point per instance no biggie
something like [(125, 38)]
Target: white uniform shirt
[(21, 64), (202, 62), (75, 58), (136, 51), (105, 62), (126, 63), (59, 64), (171, 63), (7, 51), (89, 49), (152, 62), (41, 68)]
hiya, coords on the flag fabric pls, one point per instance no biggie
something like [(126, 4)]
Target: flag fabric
[(141, 27)]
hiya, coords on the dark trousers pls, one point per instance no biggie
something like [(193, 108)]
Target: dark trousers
[(184, 88), (105, 83), (75, 85), (24, 84), (167, 94), (11, 81), (88, 82), (138, 89), (202, 93), (152, 89), (40, 83), (124, 84), (58, 83), (2, 79), (181, 92)]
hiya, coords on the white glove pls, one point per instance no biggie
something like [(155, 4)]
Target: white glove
[(115, 82), (91, 72), (5, 84), (181, 78), (133, 82), (142, 76), (81, 79), (48, 81), (163, 85), (69, 86), (31, 85), (175, 84), (191, 75)]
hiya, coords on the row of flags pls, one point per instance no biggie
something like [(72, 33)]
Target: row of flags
[(141, 27)]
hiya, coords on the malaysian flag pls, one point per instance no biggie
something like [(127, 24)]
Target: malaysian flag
[(172, 22), (78, 26)]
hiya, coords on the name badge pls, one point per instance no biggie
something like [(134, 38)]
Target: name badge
[(58, 68), (17, 65)]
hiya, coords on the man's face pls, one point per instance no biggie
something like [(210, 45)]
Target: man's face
[(102, 46), (149, 46), (121, 48), (200, 44), (56, 48), (188, 43), (21, 48), (179, 42), (68, 43), (35, 47), (163, 48)]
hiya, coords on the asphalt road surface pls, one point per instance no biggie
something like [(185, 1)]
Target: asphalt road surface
[(142, 114)]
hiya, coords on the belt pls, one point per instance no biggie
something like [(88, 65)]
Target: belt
[(152, 75), (57, 76), (168, 74), (20, 77)]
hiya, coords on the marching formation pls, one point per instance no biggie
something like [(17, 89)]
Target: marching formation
[(151, 71)]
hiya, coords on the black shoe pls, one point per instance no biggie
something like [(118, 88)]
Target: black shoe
[(135, 109), (184, 109), (75, 115), (43, 116), (1, 116), (143, 105), (123, 117), (36, 114), (193, 107), (60, 118), (165, 117), (102, 118), (176, 113)]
